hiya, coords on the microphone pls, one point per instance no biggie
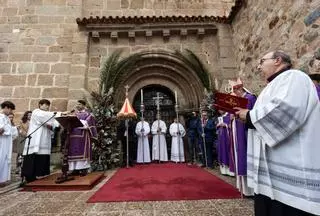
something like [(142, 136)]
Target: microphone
[(54, 113)]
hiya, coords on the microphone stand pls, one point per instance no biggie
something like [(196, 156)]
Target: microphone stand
[(29, 139)]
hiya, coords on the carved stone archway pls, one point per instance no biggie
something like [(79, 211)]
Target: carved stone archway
[(159, 67)]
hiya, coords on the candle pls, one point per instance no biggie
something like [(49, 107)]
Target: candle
[(176, 96), (141, 95)]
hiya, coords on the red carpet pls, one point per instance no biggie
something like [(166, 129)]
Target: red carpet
[(159, 182)]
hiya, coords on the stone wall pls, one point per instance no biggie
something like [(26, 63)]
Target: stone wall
[(156, 7), (44, 55), (36, 50), (207, 49), (262, 26)]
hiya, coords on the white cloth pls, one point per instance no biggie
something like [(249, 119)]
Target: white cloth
[(159, 137), (14, 132), (225, 170), (5, 148), (177, 153), (143, 151), (79, 165), (283, 150), (40, 142)]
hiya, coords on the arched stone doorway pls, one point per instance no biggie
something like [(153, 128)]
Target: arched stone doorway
[(167, 102), (163, 68)]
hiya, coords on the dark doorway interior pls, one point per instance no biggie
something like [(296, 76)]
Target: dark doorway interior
[(167, 111)]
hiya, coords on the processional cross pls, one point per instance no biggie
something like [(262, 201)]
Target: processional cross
[(157, 100)]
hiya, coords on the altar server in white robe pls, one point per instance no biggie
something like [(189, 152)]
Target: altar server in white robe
[(14, 135), (177, 131), (283, 141), (143, 151), (36, 161), (5, 141), (158, 130)]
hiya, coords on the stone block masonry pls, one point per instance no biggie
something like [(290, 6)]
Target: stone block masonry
[(45, 54)]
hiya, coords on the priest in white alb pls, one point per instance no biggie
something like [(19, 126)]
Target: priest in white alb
[(283, 141), (5, 142), (177, 131), (159, 144), (143, 150), (36, 156)]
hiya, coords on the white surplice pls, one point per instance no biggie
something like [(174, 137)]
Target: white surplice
[(159, 137), (143, 150), (177, 149), (40, 142), (283, 150), (5, 148)]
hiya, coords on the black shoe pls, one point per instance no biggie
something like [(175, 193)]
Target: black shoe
[(75, 173), (83, 172)]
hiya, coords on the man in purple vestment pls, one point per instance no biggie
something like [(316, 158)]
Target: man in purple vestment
[(80, 148), (316, 80), (239, 133), (224, 144)]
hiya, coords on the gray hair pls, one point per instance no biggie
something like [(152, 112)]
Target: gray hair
[(284, 57)]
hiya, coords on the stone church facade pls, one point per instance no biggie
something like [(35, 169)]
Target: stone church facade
[(55, 49)]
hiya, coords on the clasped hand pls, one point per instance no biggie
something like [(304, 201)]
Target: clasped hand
[(241, 113)]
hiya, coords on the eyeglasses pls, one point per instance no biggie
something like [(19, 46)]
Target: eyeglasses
[(263, 60)]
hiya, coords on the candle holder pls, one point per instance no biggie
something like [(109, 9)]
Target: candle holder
[(142, 107), (176, 108)]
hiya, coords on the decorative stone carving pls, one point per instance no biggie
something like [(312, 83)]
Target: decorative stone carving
[(149, 33), (114, 35), (95, 36), (166, 33), (201, 32), (183, 33)]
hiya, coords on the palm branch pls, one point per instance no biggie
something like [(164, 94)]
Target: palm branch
[(192, 61), (114, 68)]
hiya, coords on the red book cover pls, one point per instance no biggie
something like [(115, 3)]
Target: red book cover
[(227, 102)]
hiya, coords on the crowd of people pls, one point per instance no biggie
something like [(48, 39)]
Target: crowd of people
[(33, 137), (147, 144), (271, 146)]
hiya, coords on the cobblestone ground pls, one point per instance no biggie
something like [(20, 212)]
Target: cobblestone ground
[(74, 204)]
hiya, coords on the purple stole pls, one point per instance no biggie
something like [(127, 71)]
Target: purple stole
[(318, 90), (80, 147)]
